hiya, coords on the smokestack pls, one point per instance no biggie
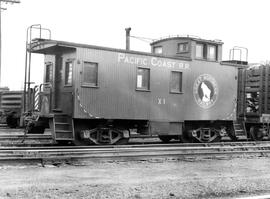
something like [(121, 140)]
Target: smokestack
[(128, 38)]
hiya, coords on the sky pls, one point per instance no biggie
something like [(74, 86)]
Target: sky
[(102, 22)]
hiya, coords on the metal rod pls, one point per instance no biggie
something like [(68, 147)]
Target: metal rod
[(6, 1), (128, 38), (10, 1), (25, 76), (28, 65), (0, 43), (25, 71), (240, 47)]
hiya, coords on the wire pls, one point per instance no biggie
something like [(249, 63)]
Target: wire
[(144, 39)]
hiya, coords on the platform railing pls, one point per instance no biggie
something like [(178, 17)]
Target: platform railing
[(28, 54)]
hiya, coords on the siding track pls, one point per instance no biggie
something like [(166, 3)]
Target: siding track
[(135, 152)]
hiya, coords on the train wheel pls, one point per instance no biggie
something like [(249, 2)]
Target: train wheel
[(231, 134), (105, 135), (255, 133), (79, 141), (122, 141), (205, 135), (185, 137), (165, 138), (12, 121), (217, 139), (64, 143)]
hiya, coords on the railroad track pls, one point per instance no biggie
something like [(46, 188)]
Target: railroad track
[(25, 140), (134, 152)]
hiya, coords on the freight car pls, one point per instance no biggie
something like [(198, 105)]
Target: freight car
[(253, 114), (181, 90), (11, 107)]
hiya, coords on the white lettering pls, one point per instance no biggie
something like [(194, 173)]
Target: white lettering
[(181, 65), (161, 101), (132, 60), (145, 61), (154, 61), (126, 60), (120, 56)]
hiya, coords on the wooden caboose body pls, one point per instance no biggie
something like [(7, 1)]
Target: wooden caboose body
[(101, 94)]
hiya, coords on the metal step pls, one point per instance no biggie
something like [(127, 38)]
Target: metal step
[(239, 129), (62, 126), (64, 139), (60, 119), (57, 111), (63, 134)]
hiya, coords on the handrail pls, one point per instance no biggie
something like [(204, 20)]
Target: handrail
[(28, 59), (173, 36), (45, 84), (238, 48)]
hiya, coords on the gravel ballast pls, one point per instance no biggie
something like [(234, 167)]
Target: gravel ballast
[(204, 178)]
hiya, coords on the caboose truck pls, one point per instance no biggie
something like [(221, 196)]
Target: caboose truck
[(181, 90)]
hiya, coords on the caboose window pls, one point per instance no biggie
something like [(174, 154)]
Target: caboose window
[(200, 51), (90, 73), (68, 73), (48, 72), (158, 49), (143, 79), (176, 82), (212, 52), (182, 47)]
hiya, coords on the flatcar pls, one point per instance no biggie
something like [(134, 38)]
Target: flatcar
[(181, 90)]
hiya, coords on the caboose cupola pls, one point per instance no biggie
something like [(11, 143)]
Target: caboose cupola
[(190, 47)]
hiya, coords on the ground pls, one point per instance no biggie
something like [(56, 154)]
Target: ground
[(160, 178)]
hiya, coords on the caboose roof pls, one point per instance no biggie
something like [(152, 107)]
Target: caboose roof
[(44, 46), (193, 38)]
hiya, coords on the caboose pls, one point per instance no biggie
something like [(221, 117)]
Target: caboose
[(180, 90)]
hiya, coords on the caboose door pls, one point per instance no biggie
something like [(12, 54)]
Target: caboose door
[(58, 82), (66, 86), (62, 86)]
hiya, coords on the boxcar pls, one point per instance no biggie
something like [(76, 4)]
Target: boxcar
[(253, 101)]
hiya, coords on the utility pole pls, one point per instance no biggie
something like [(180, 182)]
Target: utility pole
[(5, 1)]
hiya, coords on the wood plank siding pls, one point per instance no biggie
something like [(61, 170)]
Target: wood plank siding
[(116, 97)]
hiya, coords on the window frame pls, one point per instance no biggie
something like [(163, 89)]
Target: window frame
[(155, 47), (208, 52), (65, 76), (149, 77), (183, 43), (204, 51), (88, 84), (48, 76), (180, 82)]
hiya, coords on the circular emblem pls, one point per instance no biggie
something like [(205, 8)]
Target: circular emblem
[(205, 91)]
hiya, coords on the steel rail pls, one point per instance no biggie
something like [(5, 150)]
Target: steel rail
[(217, 144), (137, 152), (18, 137)]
